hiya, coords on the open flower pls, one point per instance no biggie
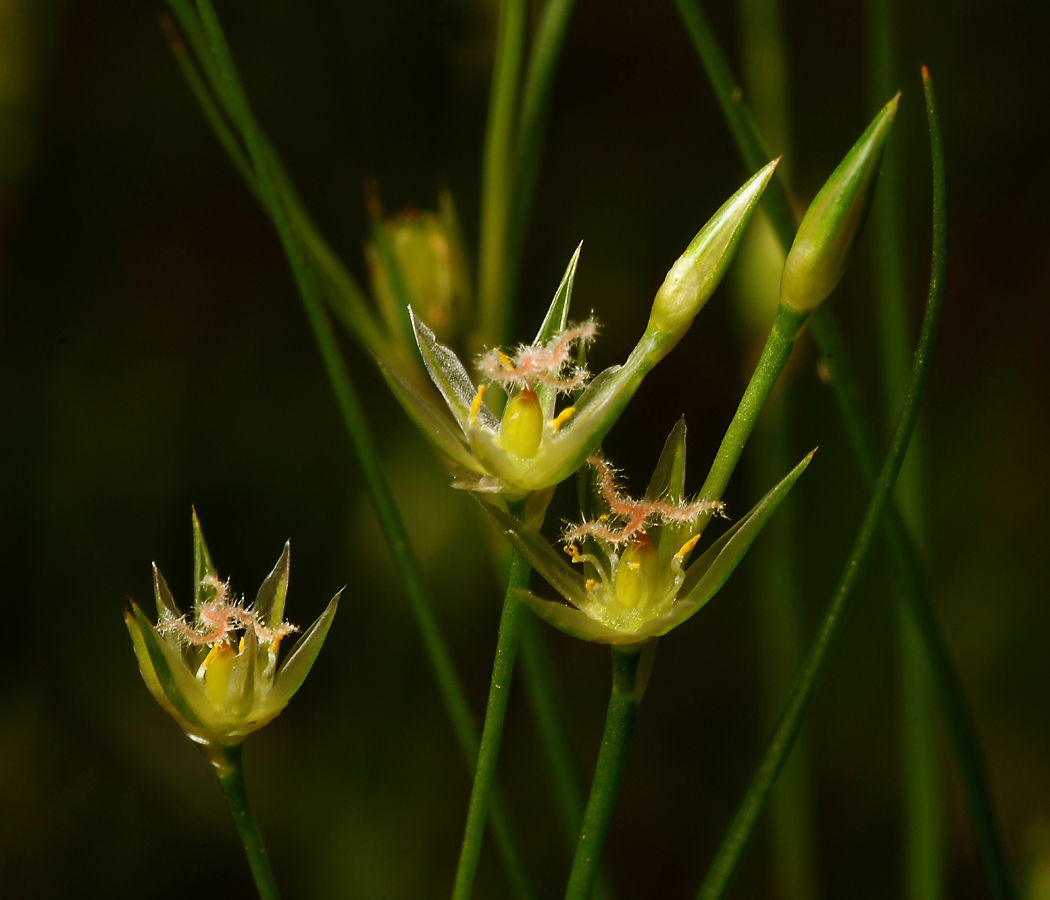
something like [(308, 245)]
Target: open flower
[(626, 578), (215, 672), (535, 445)]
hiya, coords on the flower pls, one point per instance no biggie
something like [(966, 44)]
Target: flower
[(635, 582), (534, 445), (216, 672)]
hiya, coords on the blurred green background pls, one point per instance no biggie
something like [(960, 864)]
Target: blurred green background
[(154, 355)]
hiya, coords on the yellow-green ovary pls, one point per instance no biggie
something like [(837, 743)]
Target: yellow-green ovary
[(636, 575), (522, 425)]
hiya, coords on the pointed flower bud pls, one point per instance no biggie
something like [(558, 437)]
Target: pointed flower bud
[(627, 578), (829, 230), (215, 671), (698, 271)]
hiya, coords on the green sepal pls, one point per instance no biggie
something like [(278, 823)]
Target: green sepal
[(829, 230), (668, 482), (434, 422), (541, 556), (167, 609), (146, 666), (240, 692), (553, 324), (297, 666), (573, 621), (184, 692), (202, 566), (447, 372), (697, 272), (269, 601), (706, 576)]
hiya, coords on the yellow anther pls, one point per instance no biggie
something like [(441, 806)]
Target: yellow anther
[(574, 554), (591, 584), (475, 405), (686, 547), (240, 645), (216, 672), (560, 419), (505, 361)]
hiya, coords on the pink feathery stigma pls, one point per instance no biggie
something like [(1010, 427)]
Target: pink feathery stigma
[(545, 364), (218, 620), (635, 514)]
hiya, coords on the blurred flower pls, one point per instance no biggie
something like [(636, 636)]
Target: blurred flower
[(635, 584), (216, 672)]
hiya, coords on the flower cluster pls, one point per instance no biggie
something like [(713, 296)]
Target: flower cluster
[(215, 671)]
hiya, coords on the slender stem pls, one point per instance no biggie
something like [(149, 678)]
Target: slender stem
[(450, 688), (771, 363), (726, 860), (629, 673), (923, 856), (497, 188), (532, 127), (229, 768), (905, 560), (492, 731)]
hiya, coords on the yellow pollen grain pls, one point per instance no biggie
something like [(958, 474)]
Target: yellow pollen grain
[(634, 566), (562, 417), (591, 584), (475, 405), (687, 546)]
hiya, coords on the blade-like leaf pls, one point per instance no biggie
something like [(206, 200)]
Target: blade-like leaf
[(447, 372), (572, 621), (433, 422), (166, 608), (543, 558), (297, 666), (707, 575), (184, 692), (203, 567), (269, 601)]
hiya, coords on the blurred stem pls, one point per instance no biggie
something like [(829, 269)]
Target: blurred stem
[(268, 176), (905, 560), (492, 731), (778, 619), (229, 768), (716, 883), (535, 106), (923, 831), (629, 674), (497, 186), (779, 344)]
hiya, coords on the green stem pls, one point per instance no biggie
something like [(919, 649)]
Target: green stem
[(716, 882), (492, 731), (629, 674), (229, 768), (775, 353), (497, 187), (905, 560), (535, 105), (923, 831), (268, 177)]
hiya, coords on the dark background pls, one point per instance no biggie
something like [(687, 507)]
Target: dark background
[(154, 355)]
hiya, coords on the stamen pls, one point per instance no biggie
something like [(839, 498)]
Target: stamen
[(560, 419), (475, 405), (684, 550), (590, 584)]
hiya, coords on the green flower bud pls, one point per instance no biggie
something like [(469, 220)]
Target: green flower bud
[(695, 275), (828, 233)]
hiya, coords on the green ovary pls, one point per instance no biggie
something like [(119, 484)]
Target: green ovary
[(522, 426), (636, 575)]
